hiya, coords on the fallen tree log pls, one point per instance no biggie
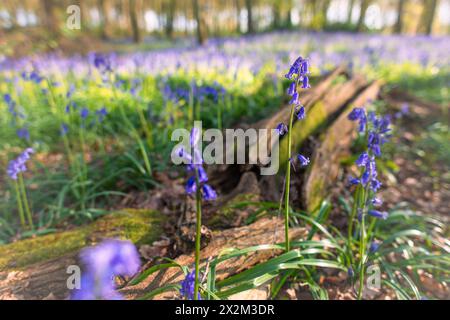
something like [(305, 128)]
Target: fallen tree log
[(264, 231), (334, 143), (37, 268)]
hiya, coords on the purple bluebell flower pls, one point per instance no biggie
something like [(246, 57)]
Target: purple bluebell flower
[(188, 287), (376, 201), (281, 129), (102, 263), (374, 245), (18, 165), (365, 177), (356, 114), (292, 89), (304, 161), (353, 181), (191, 186), (301, 114), (7, 98), (64, 129), (101, 114), (84, 113), (362, 160), (350, 272), (305, 83), (375, 185), (23, 133), (378, 214), (294, 99), (209, 193)]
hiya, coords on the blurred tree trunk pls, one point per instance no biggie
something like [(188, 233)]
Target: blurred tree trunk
[(350, 11), (103, 9), (428, 14), (51, 20), (248, 6), (400, 9), (276, 14), (201, 26), (362, 16), (134, 22), (170, 18), (238, 15), (288, 22)]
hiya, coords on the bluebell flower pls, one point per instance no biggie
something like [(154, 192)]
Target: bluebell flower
[(7, 98), (350, 272), (352, 181), (18, 165), (292, 89), (375, 185), (209, 193), (102, 63), (301, 113), (376, 201), (304, 161), (281, 129), (84, 113), (378, 214), (356, 114), (102, 263), (23, 133), (64, 129), (305, 83), (188, 287), (191, 186), (362, 160), (294, 99), (374, 245), (365, 177), (101, 114)]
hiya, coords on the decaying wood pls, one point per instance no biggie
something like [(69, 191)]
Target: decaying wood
[(335, 143), (264, 231)]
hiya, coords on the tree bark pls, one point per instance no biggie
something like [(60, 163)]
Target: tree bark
[(362, 16), (136, 32), (170, 18), (201, 25), (248, 6), (399, 23), (427, 19), (51, 19), (350, 11), (103, 8)]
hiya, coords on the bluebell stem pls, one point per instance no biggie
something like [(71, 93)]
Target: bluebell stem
[(375, 129), (196, 184), (298, 73), (15, 170)]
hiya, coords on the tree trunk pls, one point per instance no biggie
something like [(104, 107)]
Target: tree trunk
[(427, 19), (170, 18), (350, 11), (201, 25), (325, 7), (362, 16), (238, 16), (248, 6), (103, 9), (276, 14), (288, 22), (136, 32), (399, 24), (51, 20)]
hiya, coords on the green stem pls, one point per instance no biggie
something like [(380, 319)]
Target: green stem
[(19, 204), (198, 234), (288, 182), (25, 201)]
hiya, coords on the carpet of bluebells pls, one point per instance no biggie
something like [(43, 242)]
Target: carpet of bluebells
[(79, 133)]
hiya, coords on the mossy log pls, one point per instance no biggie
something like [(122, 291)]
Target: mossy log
[(36, 268), (263, 231), (334, 144)]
